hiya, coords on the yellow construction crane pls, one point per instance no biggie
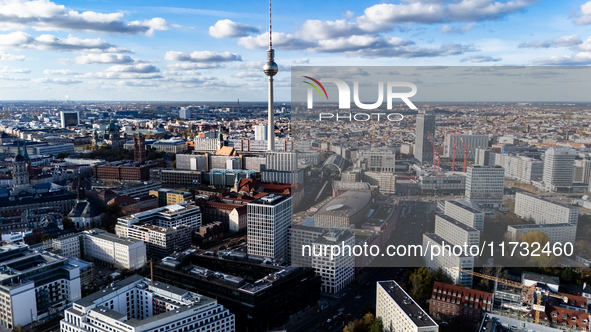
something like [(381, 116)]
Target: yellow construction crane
[(516, 285)]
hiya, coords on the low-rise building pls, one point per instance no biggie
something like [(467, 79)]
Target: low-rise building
[(556, 232), (115, 251), (543, 211), (451, 301)]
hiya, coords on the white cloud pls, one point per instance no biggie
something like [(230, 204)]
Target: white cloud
[(61, 81), (301, 61), (481, 58), (582, 15), (11, 57), (230, 29), (193, 66), (316, 29), (22, 40), (280, 40), (202, 56), (446, 28), (6, 69), (246, 74), (45, 15), (382, 17), (13, 78), (59, 72), (140, 68), (103, 58), (565, 41), (579, 58)]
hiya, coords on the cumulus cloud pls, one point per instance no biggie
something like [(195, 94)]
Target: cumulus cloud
[(6, 69), (280, 40), (565, 41), (481, 58), (446, 28), (62, 81), (316, 29), (103, 58), (45, 15), (59, 72), (140, 68), (582, 15), (579, 58), (382, 16), (13, 78), (202, 56), (21, 39), (412, 51), (230, 29), (11, 57), (192, 66), (246, 74), (301, 61)]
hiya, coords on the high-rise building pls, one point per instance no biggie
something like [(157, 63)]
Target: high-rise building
[(484, 157), (69, 118), (425, 127), (582, 171), (336, 272), (268, 220), (484, 185), (465, 214), (260, 132), (559, 164), (471, 142), (455, 232), (136, 304), (282, 161), (399, 312), (448, 261), (379, 161)]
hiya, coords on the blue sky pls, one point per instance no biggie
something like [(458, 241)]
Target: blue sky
[(214, 50)]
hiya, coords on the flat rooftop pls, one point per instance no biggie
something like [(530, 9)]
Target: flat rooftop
[(457, 223), (418, 316), (465, 207), (542, 226)]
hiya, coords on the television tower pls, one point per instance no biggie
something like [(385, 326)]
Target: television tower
[(270, 68)]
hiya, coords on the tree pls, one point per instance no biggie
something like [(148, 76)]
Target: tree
[(68, 223), (422, 284), (112, 212), (45, 237), (567, 275), (63, 155)]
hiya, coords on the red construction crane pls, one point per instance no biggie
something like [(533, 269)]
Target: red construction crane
[(466, 149), (453, 158)]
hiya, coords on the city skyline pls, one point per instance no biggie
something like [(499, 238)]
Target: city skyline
[(131, 50)]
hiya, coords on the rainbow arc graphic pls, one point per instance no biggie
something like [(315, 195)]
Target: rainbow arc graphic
[(316, 87)]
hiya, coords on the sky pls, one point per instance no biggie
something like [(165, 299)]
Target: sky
[(147, 50)]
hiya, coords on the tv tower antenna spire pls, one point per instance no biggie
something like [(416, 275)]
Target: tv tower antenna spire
[(270, 69)]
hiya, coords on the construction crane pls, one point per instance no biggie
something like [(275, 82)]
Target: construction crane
[(531, 288), (466, 149), (453, 158)]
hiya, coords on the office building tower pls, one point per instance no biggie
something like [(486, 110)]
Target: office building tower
[(447, 260), (582, 171), (268, 221), (484, 185), (260, 132), (69, 118), (559, 164), (425, 127), (484, 157)]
